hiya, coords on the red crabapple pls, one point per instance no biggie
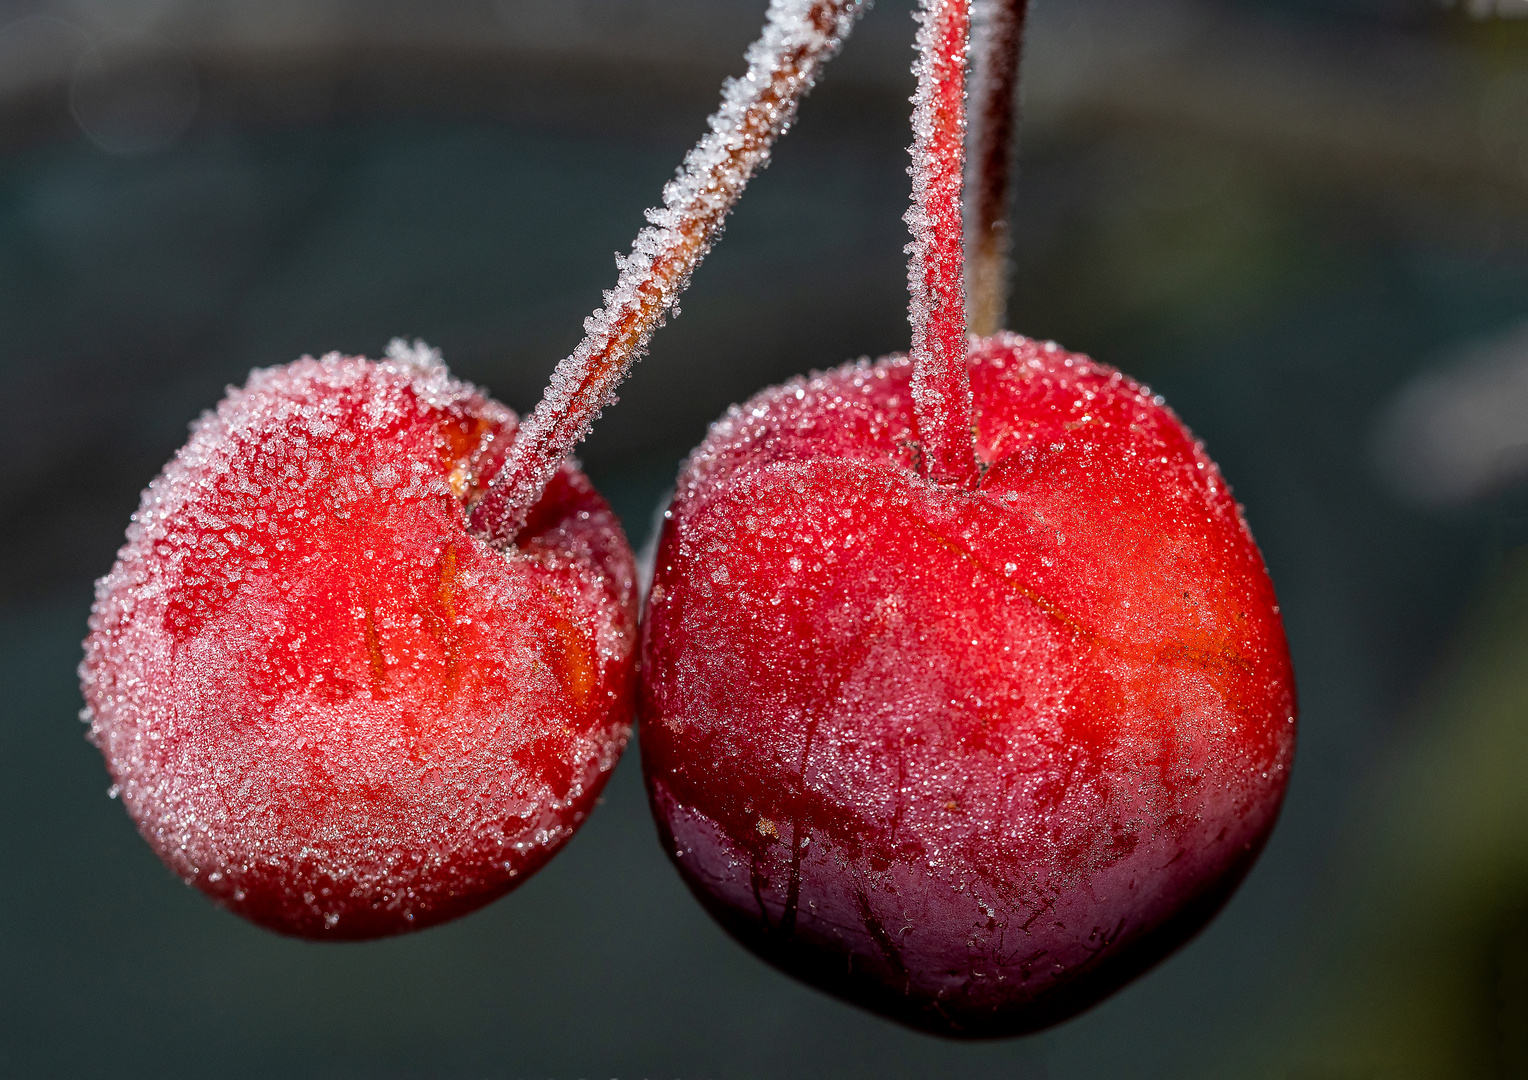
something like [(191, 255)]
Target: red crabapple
[(965, 694), (971, 758), (368, 654), (328, 703)]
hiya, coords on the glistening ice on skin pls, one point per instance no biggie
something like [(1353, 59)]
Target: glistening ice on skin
[(968, 729)]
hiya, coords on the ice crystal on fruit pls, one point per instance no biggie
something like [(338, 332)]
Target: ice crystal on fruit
[(322, 699), (949, 752)]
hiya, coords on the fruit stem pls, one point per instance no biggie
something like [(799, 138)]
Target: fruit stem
[(799, 37), (997, 46), (941, 383)]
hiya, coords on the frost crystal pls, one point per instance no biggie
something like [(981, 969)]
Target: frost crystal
[(783, 64), (941, 387), (321, 699)]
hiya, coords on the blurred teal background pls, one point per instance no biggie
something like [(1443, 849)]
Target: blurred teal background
[(1279, 213)]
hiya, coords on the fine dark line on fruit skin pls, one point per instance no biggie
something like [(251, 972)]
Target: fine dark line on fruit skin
[(793, 889), (879, 935), (1026, 966), (1104, 941), (1048, 905), (758, 881), (838, 973)]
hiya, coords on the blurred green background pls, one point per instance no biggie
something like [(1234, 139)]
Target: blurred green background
[(1280, 213)]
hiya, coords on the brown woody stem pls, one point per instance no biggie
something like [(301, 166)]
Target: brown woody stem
[(998, 45)]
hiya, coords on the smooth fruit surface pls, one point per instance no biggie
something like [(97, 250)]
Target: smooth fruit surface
[(970, 758), (326, 702)]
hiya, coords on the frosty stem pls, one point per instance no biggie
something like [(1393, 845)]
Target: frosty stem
[(941, 384), (997, 45), (799, 37)]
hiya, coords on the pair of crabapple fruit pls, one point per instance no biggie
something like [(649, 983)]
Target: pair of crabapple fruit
[(970, 754)]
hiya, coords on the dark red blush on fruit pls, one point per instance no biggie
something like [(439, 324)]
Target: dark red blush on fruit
[(970, 758), (325, 700)]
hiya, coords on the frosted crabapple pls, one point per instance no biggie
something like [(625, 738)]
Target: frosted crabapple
[(367, 657), (965, 693), (971, 757), (325, 700)]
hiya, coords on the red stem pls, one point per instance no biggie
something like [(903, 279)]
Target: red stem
[(997, 47), (799, 37), (941, 383)]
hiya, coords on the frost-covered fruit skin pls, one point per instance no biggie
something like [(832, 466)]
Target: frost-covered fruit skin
[(970, 759), (324, 701)]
